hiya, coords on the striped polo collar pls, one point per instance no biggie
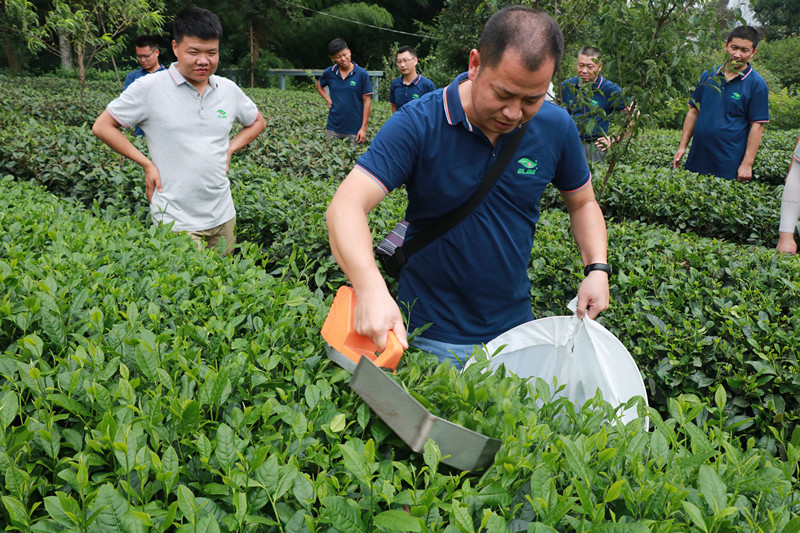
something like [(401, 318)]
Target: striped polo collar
[(453, 110), (178, 78), (742, 74)]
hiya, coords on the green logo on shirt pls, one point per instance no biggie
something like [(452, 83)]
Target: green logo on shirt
[(595, 102), (529, 167), (221, 113), (736, 96), (414, 96), (353, 83)]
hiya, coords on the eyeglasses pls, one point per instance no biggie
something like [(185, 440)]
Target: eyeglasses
[(404, 61), (145, 56)]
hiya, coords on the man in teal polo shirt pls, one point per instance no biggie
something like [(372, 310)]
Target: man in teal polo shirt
[(472, 284), (727, 114), (349, 95), (187, 114), (410, 85), (590, 96)]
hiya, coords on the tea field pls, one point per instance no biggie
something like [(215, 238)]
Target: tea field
[(147, 386)]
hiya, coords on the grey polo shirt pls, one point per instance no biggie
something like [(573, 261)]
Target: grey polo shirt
[(188, 139)]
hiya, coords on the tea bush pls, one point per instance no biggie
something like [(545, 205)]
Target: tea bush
[(656, 148), (148, 386), (743, 213)]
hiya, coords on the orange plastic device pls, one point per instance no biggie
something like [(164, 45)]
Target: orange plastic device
[(339, 333)]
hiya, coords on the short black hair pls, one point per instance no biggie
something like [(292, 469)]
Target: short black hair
[(590, 51), (336, 46), (143, 41), (196, 22), (406, 48), (748, 33), (531, 32)]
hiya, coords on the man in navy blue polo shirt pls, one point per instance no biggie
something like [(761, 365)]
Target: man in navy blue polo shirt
[(349, 95), (410, 85), (590, 96), (147, 53), (727, 114), (472, 284)]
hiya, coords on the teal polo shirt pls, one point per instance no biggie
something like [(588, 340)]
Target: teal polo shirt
[(401, 93), (347, 111), (605, 95), (726, 111), (472, 283)]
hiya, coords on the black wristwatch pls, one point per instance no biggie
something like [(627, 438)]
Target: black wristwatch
[(597, 266)]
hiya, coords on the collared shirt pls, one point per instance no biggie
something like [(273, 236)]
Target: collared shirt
[(132, 77), (726, 110), (188, 139), (606, 95), (471, 283), (401, 93), (346, 113)]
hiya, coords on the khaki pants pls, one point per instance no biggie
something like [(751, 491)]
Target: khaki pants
[(212, 236)]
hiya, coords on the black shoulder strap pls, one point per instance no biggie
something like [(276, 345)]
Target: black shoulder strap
[(451, 219)]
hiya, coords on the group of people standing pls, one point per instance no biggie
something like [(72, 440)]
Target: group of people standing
[(470, 284)]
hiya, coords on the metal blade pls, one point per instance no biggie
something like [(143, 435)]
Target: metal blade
[(412, 422)]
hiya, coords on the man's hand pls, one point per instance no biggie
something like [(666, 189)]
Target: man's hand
[(376, 315), (361, 136), (678, 156), (603, 143), (593, 295), (152, 180), (744, 173)]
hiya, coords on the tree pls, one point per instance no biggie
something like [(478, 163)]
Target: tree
[(650, 47), (95, 29), (782, 16)]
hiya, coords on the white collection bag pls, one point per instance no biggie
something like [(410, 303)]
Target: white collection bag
[(580, 354)]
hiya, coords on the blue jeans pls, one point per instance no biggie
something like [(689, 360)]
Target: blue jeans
[(445, 351)]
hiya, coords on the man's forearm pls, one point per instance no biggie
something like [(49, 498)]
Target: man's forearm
[(753, 142), (589, 231), (107, 130), (247, 134), (688, 126), (365, 113)]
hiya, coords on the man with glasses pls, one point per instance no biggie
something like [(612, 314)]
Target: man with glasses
[(146, 48), (410, 85), (349, 95)]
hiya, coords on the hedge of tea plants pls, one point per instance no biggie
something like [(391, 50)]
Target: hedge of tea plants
[(148, 386)]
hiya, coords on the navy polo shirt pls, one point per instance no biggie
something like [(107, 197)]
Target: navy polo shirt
[(727, 108), (472, 283), (400, 93), (606, 95), (346, 113), (132, 77)]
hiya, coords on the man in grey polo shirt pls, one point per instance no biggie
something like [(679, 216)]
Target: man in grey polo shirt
[(187, 114)]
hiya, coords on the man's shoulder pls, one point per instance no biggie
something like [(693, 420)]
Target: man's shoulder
[(570, 81), (425, 82), (395, 82)]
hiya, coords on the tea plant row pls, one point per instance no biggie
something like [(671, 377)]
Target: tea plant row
[(148, 386)]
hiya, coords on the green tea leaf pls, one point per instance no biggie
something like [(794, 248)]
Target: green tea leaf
[(9, 407), (344, 513), (695, 515), (355, 464), (396, 520), (190, 418), (713, 489), (115, 514), (225, 452)]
